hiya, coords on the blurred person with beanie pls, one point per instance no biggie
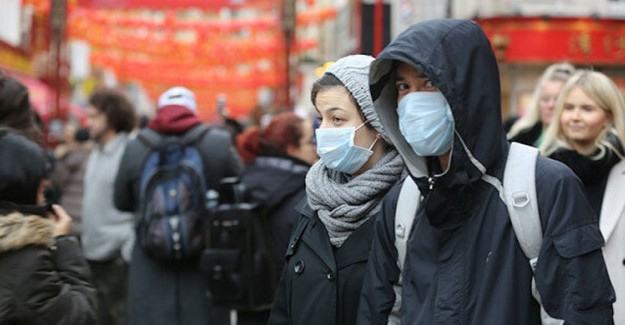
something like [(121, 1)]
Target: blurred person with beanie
[(327, 254), (107, 233), (44, 279), (161, 292)]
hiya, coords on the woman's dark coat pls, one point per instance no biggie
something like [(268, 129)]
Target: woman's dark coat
[(327, 280), (42, 280), (463, 263)]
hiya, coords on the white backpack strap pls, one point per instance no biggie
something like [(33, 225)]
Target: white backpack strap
[(407, 205), (519, 183), (405, 213)]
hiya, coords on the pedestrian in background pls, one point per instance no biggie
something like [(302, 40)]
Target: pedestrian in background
[(326, 258), (108, 233), (280, 156), (463, 263), (16, 110), (587, 134), (44, 278), (531, 127), (68, 175), (164, 292)]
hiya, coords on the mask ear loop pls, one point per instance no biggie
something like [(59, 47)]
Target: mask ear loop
[(377, 137)]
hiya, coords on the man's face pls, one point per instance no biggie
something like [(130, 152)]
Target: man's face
[(410, 79), (97, 124)]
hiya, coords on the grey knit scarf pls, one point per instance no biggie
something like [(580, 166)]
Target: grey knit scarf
[(344, 203)]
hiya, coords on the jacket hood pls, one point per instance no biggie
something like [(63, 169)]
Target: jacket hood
[(18, 230), (174, 120), (272, 179), (457, 57)]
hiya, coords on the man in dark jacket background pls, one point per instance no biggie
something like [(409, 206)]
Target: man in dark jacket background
[(463, 263), (172, 293)]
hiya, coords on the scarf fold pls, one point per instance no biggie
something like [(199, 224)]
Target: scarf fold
[(343, 203)]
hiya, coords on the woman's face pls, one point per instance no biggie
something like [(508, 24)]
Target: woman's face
[(337, 109), (548, 95), (582, 121)]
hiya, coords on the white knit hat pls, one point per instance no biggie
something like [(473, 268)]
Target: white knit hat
[(178, 96), (353, 72)]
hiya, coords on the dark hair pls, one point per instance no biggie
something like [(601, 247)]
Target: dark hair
[(15, 109), (22, 167), (119, 112), (283, 130)]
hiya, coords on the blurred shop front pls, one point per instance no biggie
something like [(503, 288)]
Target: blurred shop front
[(526, 45)]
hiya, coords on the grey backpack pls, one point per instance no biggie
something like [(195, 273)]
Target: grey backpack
[(518, 193)]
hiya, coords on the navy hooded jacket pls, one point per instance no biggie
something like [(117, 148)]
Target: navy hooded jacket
[(463, 263)]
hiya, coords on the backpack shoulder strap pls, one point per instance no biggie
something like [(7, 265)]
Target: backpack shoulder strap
[(407, 205), (195, 134), (519, 184), (150, 137)]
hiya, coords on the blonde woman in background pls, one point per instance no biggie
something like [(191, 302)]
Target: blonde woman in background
[(529, 129), (587, 135)]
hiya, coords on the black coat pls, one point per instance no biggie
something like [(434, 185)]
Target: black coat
[(278, 183), (529, 136), (42, 281), (321, 284), (171, 293), (463, 262)]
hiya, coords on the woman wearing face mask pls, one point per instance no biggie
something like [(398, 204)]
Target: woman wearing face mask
[(529, 129), (327, 254), (587, 135)]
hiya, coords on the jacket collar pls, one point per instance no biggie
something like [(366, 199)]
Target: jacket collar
[(613, 205), (18, 230)]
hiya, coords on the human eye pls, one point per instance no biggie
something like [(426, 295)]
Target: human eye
[(568, 107), (401, 86), (588, 108), (428, 84)]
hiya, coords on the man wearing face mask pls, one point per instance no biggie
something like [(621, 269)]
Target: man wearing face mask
[(463, 263)]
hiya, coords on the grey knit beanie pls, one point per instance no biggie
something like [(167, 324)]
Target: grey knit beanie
[(353, 72)]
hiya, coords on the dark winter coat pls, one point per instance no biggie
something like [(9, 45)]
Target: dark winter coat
[(463, 263), (161, 293), (529, 136), (330, 278), (42, 280), (278, 183)]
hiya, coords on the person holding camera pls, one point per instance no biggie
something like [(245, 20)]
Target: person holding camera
[(44, 279)]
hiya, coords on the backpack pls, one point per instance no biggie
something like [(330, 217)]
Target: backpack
[(518, 193), (238, 258), (172, 196)]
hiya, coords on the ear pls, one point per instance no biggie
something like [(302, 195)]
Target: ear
[(292, 150)]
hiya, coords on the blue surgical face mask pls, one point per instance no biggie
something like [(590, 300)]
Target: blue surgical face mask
[(426, 122), (335, 147)]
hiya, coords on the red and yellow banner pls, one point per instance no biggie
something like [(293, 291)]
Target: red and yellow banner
[(543, 40)]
